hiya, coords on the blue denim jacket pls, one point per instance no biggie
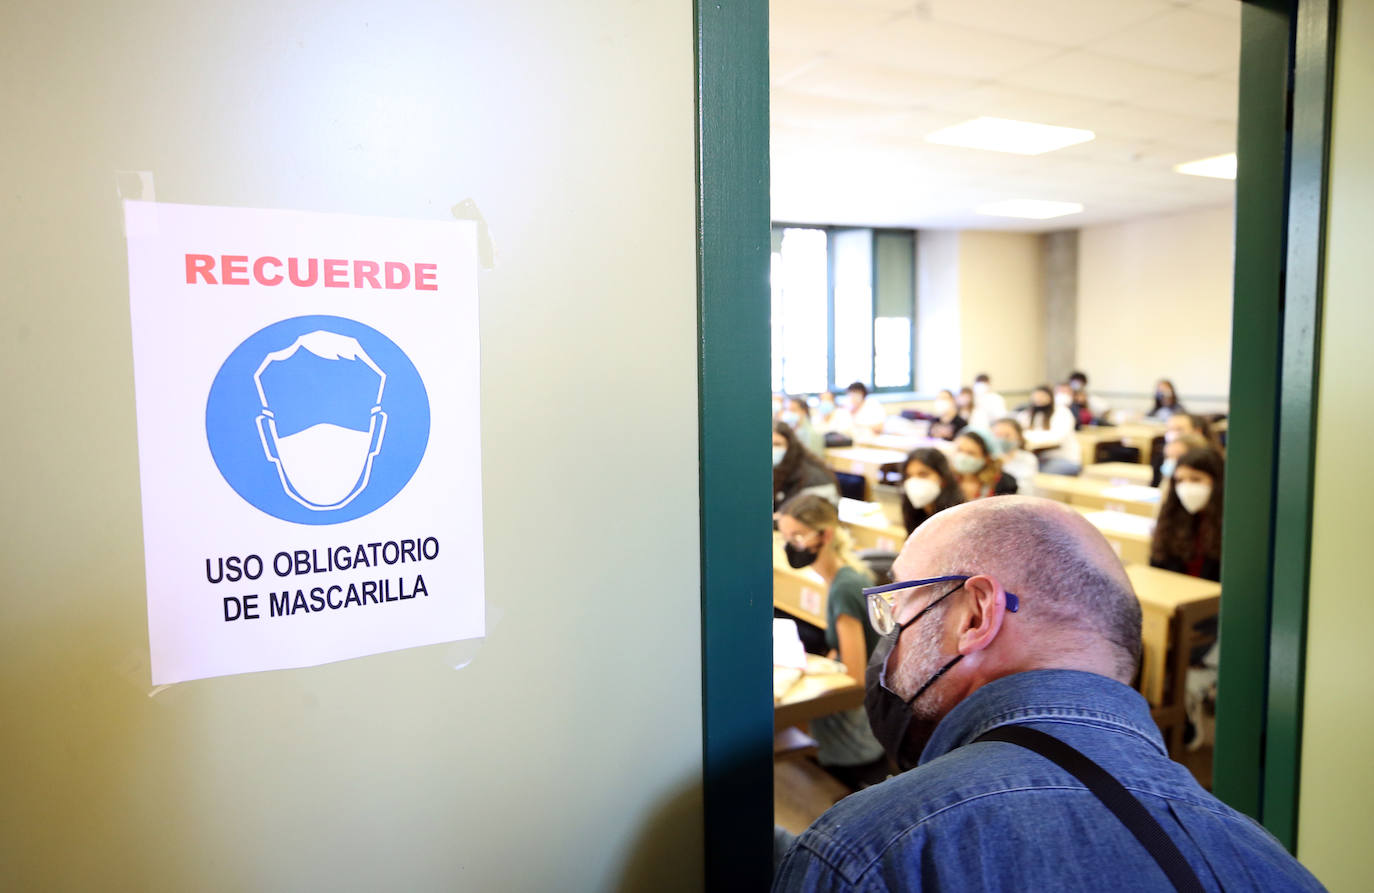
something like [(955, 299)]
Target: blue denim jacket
[(995, 816)]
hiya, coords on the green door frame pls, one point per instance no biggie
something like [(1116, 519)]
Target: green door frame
[(1287, 55), (733, 257), (1286, 63)]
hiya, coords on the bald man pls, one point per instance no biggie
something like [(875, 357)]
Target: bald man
[(1013, 614)]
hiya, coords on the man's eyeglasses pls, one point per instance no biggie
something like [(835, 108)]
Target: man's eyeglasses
[(881, 606)]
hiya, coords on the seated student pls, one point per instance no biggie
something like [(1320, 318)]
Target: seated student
[(980, 474), (947, 421), (1187, 536), (861, 415), (1174, 448), (1018, 626), (1048, 431), (797, 470), (797, 413), (825, 408), (813, 537), (964, 400), (928, 486), (1181, 423), (1063, 397), (1016, 460), (1166, 401), (988, 405), (1088, 409)]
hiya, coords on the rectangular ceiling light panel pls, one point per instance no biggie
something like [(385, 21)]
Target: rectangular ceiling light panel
[(1029, 209), (1006, 135), (1222, 167)]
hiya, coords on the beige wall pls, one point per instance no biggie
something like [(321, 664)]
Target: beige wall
[(567, 756), (938, 347), (1154, 301), (979, 308), (1337, 783), (1002, 308)]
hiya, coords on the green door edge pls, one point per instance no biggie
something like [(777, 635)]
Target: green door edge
[(733, 374), (1313, 58), (1286, 66)]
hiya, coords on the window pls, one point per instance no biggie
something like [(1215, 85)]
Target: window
[(843, 308)]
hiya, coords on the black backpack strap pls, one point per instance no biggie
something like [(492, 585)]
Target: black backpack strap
[(1113, 795)]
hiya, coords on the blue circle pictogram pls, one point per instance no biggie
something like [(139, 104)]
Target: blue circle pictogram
[(317, 419)]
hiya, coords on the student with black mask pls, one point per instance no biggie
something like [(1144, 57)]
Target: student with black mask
[(812, 537)]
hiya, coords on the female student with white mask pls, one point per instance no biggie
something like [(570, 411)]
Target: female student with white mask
[(1187, 536), (947, 422), (797, 413), (980, 475), (813, 537), (797, 470), (928, 486), (1016, 460), (1049, 433)]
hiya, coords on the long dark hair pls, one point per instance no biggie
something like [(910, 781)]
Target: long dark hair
[(1177, 532), (950, 494), (1173, 395), (1037, 412), (797, 456), (992, 466)]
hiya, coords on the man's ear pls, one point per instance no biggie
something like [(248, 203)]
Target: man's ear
[(982, 621)]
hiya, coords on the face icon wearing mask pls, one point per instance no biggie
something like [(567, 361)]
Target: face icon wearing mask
[(322, 423)]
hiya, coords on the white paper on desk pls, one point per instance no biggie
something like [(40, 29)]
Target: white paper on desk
[(1131, 493), (852, 510), (1121, 522), (787, 644)]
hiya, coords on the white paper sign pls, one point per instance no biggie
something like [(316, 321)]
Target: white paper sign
[(307, 391)]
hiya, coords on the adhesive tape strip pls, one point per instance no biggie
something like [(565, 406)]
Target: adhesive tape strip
[(486, 249)]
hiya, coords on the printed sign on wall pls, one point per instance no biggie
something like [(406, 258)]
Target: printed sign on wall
[(309, 449)]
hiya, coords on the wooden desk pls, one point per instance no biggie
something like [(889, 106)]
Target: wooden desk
[(869, 527), (1099, 494), (903, 443), (865, 461), (1129, 534), (1140, 435), (814, 696), (1171, 605), (1120, 472), (1091, 436)]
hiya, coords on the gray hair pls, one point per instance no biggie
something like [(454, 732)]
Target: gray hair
[(1054, 572)]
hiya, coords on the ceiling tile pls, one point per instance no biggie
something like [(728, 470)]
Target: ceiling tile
[(1227, 9), (816, 25), (1002, 100), (912, 43), (881, 86), (1084, 74), (1182, 40), (844, 116), (1210, 98), (1063, 23), (785, 64)]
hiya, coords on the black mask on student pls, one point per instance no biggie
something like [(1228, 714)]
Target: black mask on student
[(889, 715), (799, 557)]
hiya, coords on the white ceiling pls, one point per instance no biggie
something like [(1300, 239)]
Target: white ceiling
[(857, 85)]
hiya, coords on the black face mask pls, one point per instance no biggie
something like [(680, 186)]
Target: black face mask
[(889, 714), (799, 557)]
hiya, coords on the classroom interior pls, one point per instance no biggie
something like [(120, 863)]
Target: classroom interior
[(615, 729), (1018, 193)]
